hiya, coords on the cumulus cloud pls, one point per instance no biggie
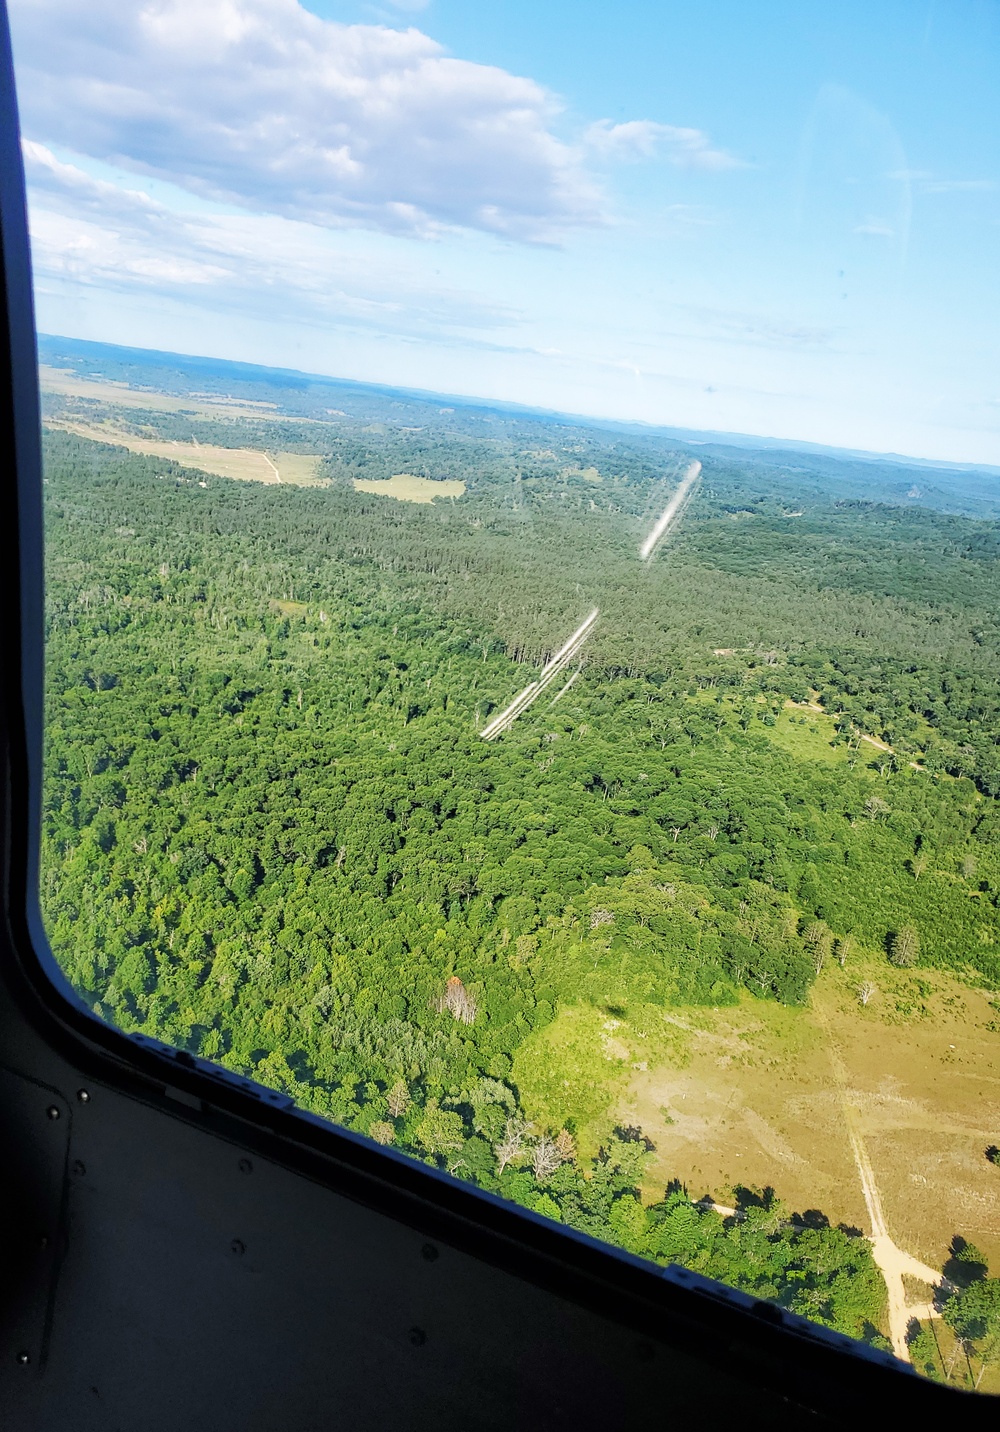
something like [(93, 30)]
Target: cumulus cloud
[(645, 139), (262, 104), (95, 234)]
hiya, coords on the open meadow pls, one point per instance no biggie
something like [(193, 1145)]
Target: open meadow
[(407, 488), (242, 464), (754, 1098)]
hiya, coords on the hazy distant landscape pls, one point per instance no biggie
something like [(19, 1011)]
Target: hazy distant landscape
[(701, 957)]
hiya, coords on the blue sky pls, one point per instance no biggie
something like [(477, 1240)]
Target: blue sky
[(778, 218)]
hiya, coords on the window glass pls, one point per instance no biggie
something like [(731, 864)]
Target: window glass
[(523, 509)]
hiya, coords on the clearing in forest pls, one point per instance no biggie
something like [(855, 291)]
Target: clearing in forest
[(575, 1071), (808, 733), (583, 474), (64, 383), (245, 464), (762, 1102), (407, 488)]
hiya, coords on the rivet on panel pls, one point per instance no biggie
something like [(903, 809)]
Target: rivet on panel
[(238, 1247), (245, 1166), (24, 1358), (52, 1111), (83, 1096), (418, 1337)]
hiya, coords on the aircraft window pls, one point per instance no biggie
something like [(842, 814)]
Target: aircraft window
[(522, 519)]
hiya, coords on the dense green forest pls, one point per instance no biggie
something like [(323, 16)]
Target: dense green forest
[(273, 835)]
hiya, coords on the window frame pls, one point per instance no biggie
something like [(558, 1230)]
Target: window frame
[(771, 1348)]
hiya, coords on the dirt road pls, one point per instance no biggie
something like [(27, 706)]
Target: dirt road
[(892, 1261)]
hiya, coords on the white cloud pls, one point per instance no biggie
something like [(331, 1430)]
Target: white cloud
[(879, 228), (96, 235), (645, 138), (262, 104)]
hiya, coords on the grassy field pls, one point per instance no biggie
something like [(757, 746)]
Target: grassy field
[(754, 1100), (577, 1070), (407, 488), (244, 464), (66, 384), (806, 735)]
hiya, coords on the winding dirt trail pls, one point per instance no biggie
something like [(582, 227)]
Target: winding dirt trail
[(892, 1261)]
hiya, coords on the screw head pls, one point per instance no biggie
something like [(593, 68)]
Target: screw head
[(83, 1096), (245, 1166), (238, 1247), (24, 1358), (78, 1168), (52, 1111), (429, 1252), (418, 1337)]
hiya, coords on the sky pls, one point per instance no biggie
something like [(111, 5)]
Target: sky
[(779, 218)]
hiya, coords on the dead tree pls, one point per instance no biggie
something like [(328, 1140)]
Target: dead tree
[(458, 1001), (511, 1146), (545, 1158)]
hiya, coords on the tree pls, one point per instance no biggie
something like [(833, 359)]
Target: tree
[(459, 1001), (545, 1158), (865, 991), (904, 946), (973, 1314), (382, 1132), (924, 1353), (566, 1145), (439, 1131), (398, 1099), (966, 1264), (845, 948), (818, 941), (511, 1146)]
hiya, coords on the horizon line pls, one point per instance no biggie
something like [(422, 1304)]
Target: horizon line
[(696, 437)]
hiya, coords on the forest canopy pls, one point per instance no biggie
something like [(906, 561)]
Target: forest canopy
[(273, 835)]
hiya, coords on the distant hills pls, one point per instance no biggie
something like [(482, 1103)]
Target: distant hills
[(846, 473)]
